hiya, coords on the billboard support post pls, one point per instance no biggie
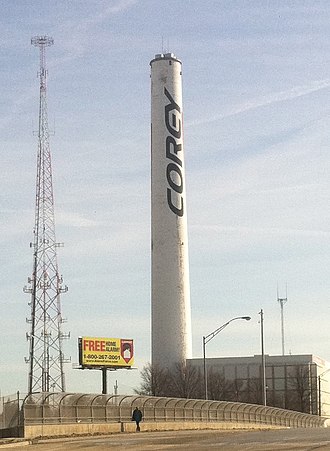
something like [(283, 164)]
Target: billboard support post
[(104, 381)]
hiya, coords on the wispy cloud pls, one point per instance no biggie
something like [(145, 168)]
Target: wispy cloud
[(118, 7), (75, 48), (275, 97), (74, 220), (83, 28), (259, 231)]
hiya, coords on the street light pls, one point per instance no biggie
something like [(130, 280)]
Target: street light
[(263, 361), (208, 338)]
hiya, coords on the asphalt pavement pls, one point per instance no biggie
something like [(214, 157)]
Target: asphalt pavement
[(245, 440)]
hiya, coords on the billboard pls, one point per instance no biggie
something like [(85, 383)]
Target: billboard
[(105, 352)]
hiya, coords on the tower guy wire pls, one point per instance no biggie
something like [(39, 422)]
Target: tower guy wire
[(45, 338)]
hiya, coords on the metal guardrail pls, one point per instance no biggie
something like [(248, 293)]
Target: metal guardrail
[(64, 408)]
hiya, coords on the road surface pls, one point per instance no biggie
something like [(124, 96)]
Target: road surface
[(247, 440)]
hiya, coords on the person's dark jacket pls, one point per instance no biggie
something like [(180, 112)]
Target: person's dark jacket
[(137, 415)]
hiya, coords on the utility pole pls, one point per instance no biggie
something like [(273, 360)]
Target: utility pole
[(45, 338), (282, 301), (263, 361)]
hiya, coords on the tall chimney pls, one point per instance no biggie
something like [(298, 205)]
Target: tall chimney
[(170, 290)]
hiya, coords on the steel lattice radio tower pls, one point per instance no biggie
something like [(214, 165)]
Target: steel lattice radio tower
[(46, 357)]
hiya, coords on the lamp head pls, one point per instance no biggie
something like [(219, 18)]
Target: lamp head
[(247, 318)]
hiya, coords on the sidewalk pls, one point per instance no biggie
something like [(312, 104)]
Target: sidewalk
[(11, 442)]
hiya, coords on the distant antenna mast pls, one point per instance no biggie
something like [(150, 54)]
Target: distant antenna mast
[(45, 338), (282, 301), (165, 49)]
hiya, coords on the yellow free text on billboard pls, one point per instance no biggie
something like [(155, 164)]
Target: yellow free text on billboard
[(106, 352)]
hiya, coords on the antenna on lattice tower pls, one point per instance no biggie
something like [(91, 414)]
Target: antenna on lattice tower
[(282, 301), (45, 338)]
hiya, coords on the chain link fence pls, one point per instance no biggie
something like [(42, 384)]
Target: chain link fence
[(64, 408), (11, 410)]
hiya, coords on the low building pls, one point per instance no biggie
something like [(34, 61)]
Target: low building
[(295, 382)]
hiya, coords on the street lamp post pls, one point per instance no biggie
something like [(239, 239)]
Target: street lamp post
[(208, 338), (263, 361)]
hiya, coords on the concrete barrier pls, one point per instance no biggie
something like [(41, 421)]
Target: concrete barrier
[(74, 429), (70, 429)]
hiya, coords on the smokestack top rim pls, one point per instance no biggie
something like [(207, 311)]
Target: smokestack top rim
[(165, 56)]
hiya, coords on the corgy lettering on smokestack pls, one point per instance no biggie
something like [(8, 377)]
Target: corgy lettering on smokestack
[(170, 290)]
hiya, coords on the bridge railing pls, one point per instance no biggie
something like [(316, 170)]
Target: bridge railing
[(61, 408)]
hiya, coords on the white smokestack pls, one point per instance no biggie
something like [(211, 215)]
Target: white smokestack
[(170, 291)]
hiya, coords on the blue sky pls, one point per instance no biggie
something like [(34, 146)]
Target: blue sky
[(256, 90)]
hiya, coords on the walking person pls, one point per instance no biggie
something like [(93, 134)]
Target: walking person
[(137, 417)]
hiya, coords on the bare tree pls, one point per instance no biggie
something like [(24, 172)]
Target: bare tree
[(255, 390), (237, 391), (154, 381), (299, 389), (219, 388), (185, 381)]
